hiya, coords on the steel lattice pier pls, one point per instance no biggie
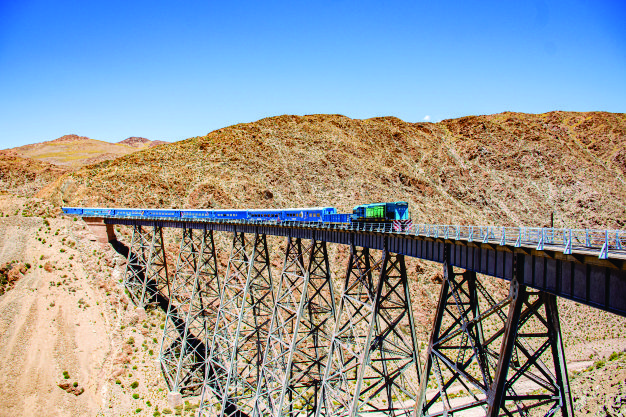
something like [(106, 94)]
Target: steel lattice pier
[(191, 313), (251, 345)]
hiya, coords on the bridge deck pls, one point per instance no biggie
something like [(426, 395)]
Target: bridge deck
[(581, 273)]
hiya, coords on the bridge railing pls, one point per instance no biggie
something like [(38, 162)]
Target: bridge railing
[(601, 241), (595, 241)]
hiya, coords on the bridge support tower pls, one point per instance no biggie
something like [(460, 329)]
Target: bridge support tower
[(373, 363), (191, 314), (146, 277), (302, 322), (504, 356), (241, 328)]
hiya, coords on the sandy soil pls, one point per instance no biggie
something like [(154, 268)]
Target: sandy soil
[(69, 314)]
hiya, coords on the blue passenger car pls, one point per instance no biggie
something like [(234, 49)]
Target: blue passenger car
[(265, 215), (230, 214), (337, 218), (128, 212), (72, 210), (315, 214), (197, 214), (97, 212), (162, 213)]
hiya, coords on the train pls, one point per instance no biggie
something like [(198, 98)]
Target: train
[(365, 213)]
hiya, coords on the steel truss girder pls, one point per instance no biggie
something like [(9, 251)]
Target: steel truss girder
[(533, 332), (146, 277), (240, 333), (300, 332), (373, 362), (480, 356), (191, 313)]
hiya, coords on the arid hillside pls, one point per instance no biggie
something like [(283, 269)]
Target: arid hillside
[(505, 169), (25, 176), (76, 151)]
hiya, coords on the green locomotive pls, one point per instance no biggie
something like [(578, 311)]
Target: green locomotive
[(381, 212)]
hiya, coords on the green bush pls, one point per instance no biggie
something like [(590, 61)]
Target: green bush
[(136, 396), (134, 385)]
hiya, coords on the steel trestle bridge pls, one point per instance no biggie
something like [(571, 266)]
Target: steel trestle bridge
[(252, 343)]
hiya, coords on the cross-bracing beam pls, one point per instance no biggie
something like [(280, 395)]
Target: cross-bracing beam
[(240, 333), (300, 331), (504, 356), (373, 359), (191, 313), (480, 355), (146, 275)]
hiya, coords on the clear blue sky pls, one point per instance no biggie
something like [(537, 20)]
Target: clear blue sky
[(170, 70)]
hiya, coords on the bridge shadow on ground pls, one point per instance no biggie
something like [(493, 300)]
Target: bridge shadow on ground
[(193, 343)]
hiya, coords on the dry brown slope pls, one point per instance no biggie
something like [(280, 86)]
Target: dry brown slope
[(25, 176), (68, 313), (76, 151), (505, 169)]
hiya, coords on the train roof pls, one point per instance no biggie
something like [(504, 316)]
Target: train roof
[(307, 208), (212, 209)]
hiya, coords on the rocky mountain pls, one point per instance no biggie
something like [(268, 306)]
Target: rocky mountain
[(134, 141), (138, 142), (506, 169), (76, 151)]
